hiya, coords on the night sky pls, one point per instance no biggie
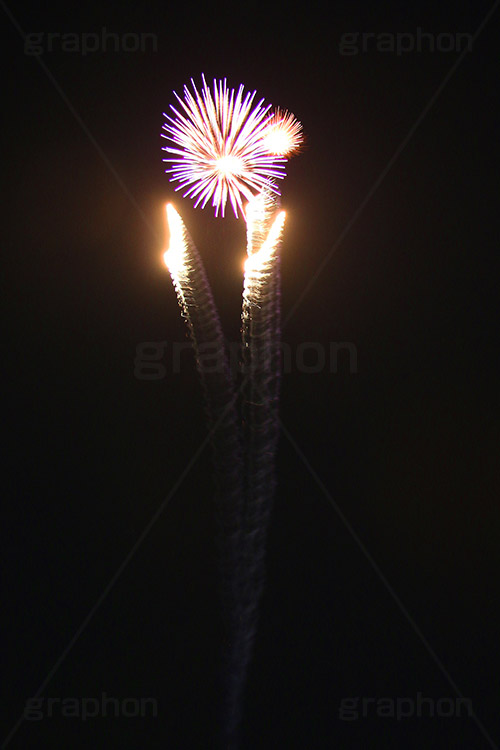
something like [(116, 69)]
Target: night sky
[(383, 551)]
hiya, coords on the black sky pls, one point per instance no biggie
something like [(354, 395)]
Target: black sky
[(384, 546)]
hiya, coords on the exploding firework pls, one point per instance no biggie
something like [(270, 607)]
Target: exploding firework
[(283, 136), (225, 148)]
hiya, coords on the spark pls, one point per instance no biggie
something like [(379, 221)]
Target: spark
[(221, 151), (283, 135), (175, 256)]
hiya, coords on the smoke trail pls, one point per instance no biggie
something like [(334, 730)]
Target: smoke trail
[(198, 308), (260, 341)]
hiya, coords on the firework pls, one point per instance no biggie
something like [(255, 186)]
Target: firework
[(283, 136), (226, 146)]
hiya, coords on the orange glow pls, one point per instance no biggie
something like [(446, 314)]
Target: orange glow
[(174, 256)]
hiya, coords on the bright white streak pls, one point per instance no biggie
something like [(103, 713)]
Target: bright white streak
[(175, 256), (258, 265), (259, 216)]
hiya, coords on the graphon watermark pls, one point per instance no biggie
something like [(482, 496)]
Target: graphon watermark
[(36, 709), (85, 43), (352, 709), (399, 43), (153, 359)]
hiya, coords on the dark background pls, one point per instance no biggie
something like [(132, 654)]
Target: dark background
[(406, 447)]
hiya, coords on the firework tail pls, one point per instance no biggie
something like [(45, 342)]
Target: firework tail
[(260, 342), (198, 308), (245, 487)]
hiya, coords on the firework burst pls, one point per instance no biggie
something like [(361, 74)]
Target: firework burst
[(224, 145), (283, 136)]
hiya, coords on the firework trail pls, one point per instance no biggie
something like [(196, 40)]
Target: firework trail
[(260, 340), (198, 308), (260, 355)]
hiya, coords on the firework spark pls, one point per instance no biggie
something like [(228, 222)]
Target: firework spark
[(283, 135), (224, 146)]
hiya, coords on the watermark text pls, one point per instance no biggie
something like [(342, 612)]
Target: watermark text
[(86, 43)]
